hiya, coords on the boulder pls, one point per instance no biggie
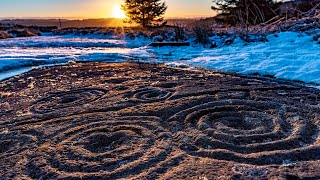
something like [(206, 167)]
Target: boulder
[(158, 38)]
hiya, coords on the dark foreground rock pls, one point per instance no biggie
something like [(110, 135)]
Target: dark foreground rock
[(111, 121)]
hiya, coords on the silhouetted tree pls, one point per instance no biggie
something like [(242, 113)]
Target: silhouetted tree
[(245, 11), (145, 12)]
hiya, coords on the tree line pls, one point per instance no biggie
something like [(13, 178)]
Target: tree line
[(151, 12), (253, 12)]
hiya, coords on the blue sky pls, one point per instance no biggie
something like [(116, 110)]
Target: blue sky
[(94, 8)]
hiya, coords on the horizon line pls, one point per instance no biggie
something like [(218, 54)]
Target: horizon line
[(88, 18)]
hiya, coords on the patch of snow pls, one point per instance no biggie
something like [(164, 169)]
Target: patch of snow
[(175, 64)]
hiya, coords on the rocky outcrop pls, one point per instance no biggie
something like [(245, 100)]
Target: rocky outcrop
[(4, 35), (24, 33)]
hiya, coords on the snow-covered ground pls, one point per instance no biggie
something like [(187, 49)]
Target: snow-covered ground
[(287, 55), (72, 41)]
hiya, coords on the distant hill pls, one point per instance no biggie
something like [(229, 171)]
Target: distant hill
[(109, 22), (64, 23)]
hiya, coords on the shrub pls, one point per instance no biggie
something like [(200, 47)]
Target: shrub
[(202, 34), (180, 34)]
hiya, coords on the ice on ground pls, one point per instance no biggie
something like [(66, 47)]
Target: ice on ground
[(11, 73), (16, 57)]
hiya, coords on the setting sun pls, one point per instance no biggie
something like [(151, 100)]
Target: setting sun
[(117, 12)]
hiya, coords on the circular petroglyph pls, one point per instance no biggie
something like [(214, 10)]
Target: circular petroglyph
[(60, 100), (104, 148), (253, 132)]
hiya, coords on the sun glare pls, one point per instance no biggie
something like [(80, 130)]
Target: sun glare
[(118, 13)]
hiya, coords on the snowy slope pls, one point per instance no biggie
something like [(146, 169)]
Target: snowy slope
[(287, 55)]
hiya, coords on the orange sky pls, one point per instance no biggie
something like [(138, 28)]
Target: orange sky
[(94, 8)]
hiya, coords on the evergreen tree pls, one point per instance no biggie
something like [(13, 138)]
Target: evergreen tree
[(246, 11), (145, 12)]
